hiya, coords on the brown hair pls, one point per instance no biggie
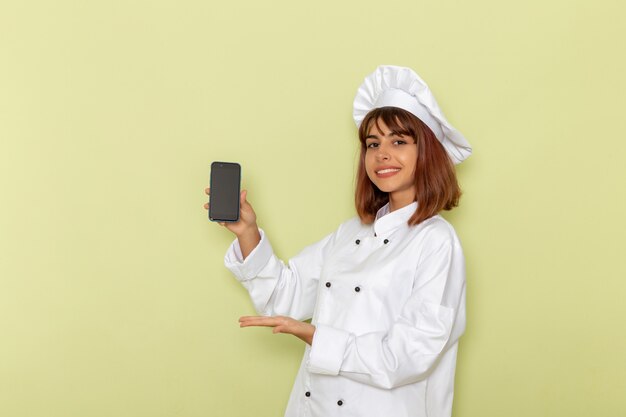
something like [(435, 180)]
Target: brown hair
[(435, 178)]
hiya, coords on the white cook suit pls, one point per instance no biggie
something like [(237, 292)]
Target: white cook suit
[(388, 304)]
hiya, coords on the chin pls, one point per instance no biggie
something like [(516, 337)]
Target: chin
[(385, 189)]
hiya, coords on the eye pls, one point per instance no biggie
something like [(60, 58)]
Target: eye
[(400, 142), (372, 145)]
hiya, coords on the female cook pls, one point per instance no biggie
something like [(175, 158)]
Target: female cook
[(386, 290)]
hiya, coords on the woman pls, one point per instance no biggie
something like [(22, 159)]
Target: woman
[(386, 290)]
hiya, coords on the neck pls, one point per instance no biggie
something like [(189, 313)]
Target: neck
[(398, 200)]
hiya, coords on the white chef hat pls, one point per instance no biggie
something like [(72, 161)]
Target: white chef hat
[(401, 87)]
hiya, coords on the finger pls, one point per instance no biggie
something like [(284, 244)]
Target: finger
[(255, 319), (243, 196), (258, 321), (207, 191), (206, 206), (257, 324), (222, 224)]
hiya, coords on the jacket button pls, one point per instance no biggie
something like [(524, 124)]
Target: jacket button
[(358, 241), (386, 241), (357, 289), (339, 403), (308, 394), (328, 285)]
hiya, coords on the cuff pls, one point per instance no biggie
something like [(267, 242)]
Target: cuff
[(327, 350), (246, 269)]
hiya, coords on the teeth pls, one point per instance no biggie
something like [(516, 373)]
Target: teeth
[(384, 171)]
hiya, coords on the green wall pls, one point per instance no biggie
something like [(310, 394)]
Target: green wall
[(114, 300)]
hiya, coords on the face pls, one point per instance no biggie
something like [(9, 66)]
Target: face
[(390, 162)]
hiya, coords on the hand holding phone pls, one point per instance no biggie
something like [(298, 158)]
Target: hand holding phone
[(235, 204), (245, 227)]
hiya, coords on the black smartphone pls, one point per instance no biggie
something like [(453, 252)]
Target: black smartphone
[(224, 198)]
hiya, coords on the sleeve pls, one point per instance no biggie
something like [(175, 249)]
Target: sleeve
[(276, 288), (431, 320)]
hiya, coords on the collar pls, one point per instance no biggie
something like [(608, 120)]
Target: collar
[(386, 221)]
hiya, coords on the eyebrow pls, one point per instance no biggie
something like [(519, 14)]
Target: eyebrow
[(390, 134)]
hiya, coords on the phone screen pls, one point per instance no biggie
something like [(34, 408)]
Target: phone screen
[(224, 197)]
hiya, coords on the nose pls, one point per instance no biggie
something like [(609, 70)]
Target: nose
[(382, 154)]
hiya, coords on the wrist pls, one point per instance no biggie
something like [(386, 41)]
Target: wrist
[(249, 232), (311, 335)]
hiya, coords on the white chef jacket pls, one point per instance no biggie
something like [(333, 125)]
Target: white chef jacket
[(388, 304)]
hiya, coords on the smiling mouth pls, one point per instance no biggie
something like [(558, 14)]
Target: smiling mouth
[(387, 171)]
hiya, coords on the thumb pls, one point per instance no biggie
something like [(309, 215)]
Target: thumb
[(244, 194)]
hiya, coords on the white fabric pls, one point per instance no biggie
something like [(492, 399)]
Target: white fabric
[(387, 350), (399, 98), (401, 87)]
